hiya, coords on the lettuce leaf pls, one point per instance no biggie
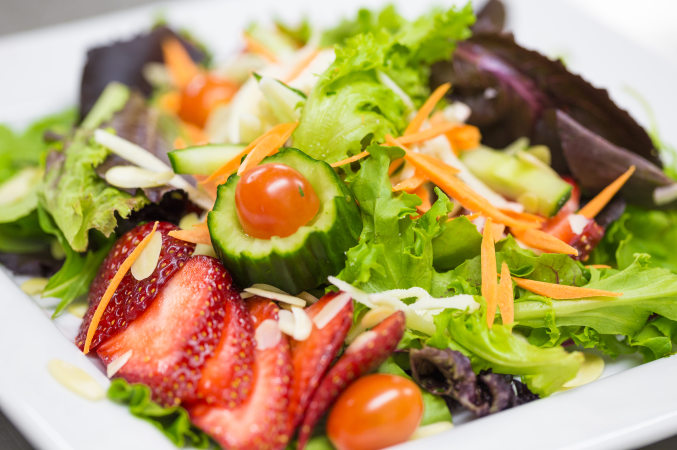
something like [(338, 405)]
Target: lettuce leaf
[(350, 106), (73, 194), (173, 422), (544, 370)]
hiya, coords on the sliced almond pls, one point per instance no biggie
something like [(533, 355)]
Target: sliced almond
[(34, 286), (78, 309), (308, 297), (330, 310), (267, 334), (76, 380), (591, 369), (204, 249), (577, 223), (147, 261), (285, 298), (118, 363), (302, 324), (187, 221), (285, 320), (431, 429), (370, 319), (130, 177)]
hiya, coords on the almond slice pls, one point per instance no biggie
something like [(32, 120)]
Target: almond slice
[(131, 177), (204, 249), (370, 319), (145, 265), (285, 320), (187, 221), (34, 286), (330, 310), (76, 380), (118, 363), (285, 298), (308, 297), (431, 429), (591, 369), (78, 309), (267, 335), (302, 324)]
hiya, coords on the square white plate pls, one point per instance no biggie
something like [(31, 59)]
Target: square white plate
[(629, 407)]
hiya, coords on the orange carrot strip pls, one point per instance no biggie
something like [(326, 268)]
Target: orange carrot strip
[(410, 184), (428, 133), (274, 139), (394, 165), (543, 241), (255, 46), (301, 65), (561, 291), (526, 217), (179, 63), (426, 109), (472, 216), (506, 297), (424, 194), (170, 101), (442, 175), (463, 138), (198, 234), (113, 285), (488, 270), (350, 159), (497, 230), (598, 266), (598, 203)]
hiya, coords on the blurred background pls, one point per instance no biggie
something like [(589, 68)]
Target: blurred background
[(650, 23)]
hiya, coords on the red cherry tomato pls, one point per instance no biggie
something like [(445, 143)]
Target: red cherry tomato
[(202, 95), (274, 200), (375, 411)]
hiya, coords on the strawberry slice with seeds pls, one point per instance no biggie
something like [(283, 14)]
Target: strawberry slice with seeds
[(365, 354), (311, 358), (262, 420), (132, 297), (177, 333), (227, 376)]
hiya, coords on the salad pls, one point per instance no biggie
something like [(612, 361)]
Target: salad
[(343, 238)]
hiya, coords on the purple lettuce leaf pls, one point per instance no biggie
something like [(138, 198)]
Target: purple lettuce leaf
[(490, 18)]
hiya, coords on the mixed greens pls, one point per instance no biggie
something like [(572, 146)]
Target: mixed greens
[(418, 195)]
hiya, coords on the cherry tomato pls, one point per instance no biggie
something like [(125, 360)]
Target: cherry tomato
[(274, 200), (202, 95), (375, 411)]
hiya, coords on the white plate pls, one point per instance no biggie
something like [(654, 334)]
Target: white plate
[(41, 75)]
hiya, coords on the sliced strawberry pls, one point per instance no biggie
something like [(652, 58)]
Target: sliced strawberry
[(132, 296), (177, 333), (261, 421), (227, 376), (365, 354), (586, 241), (311, 358)]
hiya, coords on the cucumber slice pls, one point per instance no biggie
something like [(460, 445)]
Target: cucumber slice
[(203, 159), (521, 177), (303, 260)]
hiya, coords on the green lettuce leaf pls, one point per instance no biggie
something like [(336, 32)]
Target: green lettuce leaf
[(73, 194), (365, 21), (656, 340), (350, 106), (544, 370), (173, 422), (646, 291)]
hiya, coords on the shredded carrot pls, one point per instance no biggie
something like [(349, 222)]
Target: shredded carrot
[(543, 241), (428, 133), (594, 206), (196, 135), (221, 174), (394, 165), (273, 140), (472, 216), (350, 159), (301, 65), (561, 291), (442, 175), (424, 194), (464, 138), (506, 297), (179, 63), (255, 46), (198, 234), (410, 184), (523, 216), (488, 266), (170, 101), (113, 285), (426, 109), (497, 230), (598, 266)]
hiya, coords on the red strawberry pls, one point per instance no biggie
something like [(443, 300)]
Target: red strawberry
[(365, 354), (587, 240), (311, 358), (227, 376), (132, 296), (177, 333), (262, 421)]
